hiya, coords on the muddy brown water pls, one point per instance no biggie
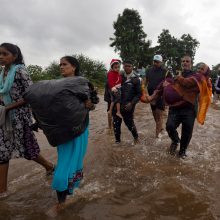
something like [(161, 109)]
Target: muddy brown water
[(126, 181)]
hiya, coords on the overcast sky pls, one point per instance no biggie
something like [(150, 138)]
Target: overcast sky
[(46, 30)]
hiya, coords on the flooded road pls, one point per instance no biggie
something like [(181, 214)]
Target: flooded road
[(141, 182)]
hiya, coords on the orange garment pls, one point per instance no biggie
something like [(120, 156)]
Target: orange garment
[(144, 94), (185, 87), (188, 89), (205, 95)]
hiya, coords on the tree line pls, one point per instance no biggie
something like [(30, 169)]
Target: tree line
[(93, 70), (131, 43)]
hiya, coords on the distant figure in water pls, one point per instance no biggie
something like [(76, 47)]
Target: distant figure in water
[(130, 95), (16, 136), (187, 96), (154, 76)]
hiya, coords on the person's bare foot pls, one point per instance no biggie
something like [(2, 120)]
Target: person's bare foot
[(56, 209), (53, 211)]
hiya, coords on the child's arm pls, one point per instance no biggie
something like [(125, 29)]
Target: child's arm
[(158, 91)]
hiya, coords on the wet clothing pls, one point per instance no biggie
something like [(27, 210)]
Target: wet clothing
[(116, 96), (177, 116), (154, 76), (128, 118), (23, 142), (184, 114), (130, 89), (69, 169), (130, 93)]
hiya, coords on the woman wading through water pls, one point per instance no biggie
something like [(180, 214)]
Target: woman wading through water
[(16, 136)]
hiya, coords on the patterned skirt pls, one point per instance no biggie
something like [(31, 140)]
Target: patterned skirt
[(69, 168), (22, 143)]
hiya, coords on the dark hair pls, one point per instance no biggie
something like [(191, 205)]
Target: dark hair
[(73, 61), (15, 50), (128, 62)]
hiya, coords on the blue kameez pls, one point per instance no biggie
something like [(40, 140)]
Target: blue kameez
[(69, 169)]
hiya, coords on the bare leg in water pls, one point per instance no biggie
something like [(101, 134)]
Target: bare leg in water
[(43, 162), (4, 171), (61, 196), (158, 118)]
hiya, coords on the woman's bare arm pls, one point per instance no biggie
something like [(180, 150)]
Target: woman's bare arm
[(15, 105)]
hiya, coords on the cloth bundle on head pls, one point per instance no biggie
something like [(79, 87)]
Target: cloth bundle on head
[(113, 61), (59, 107)]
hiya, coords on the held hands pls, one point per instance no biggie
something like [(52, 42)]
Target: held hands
[(165, 83), (149, 98)]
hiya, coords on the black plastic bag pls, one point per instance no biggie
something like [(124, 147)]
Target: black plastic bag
[(59, 107)]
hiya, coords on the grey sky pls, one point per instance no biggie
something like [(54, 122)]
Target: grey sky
[(46, 30)]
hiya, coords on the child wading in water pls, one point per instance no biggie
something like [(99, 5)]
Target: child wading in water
[(114, 85)]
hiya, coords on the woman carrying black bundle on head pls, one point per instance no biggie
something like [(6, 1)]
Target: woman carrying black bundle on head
[(62, 110)]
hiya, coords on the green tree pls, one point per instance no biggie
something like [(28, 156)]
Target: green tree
[(168, 49), (36, 72), (93, 70), (215, 72), (129, 38), (53, 71), (146, 55), (173, 49), (187, 45)]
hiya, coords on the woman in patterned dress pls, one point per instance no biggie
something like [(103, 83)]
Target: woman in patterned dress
[(16, 136)]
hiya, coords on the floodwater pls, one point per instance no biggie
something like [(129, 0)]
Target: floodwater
[(141, 182)]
